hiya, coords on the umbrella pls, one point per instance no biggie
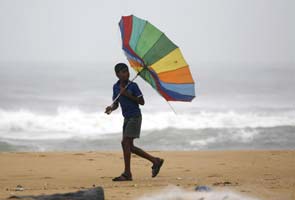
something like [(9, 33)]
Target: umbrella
[(156, 59)]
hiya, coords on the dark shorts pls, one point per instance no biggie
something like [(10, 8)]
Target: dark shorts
[(132, 126)]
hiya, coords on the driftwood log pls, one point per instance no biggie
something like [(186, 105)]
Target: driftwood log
[(96, 193)]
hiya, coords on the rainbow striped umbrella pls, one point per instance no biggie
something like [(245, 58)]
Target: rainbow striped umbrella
[(156, 59)]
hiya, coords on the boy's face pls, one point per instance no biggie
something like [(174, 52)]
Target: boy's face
[(123, 75)]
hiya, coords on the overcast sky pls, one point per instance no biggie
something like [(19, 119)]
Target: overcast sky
[(238, 31)]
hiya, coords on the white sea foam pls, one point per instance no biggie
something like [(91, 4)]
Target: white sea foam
[(72, 122)]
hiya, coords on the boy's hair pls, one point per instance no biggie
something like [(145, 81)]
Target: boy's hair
[(120, 66)]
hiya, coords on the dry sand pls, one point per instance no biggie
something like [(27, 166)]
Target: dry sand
[(263, 174)]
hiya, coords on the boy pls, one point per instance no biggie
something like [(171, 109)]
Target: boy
[(129, 100)]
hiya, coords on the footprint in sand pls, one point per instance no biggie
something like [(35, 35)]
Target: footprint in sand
[(214, 175), (47, 177), (225, 183), (79, 154)]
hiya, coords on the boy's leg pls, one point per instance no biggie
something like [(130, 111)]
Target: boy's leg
[(138, 151), (126, 146), (157, 162)]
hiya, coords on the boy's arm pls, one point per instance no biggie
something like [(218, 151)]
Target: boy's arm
[(138, 100), (111, 108), (137, 97), (115, 105)]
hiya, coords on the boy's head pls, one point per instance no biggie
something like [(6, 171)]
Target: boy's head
[(122, 71)]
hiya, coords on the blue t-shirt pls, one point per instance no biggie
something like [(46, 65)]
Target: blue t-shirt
[(129, 107)]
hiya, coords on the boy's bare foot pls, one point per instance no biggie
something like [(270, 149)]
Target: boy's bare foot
[(123, 177), (156, 167)]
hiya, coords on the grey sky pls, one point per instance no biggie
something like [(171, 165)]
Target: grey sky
[(236, 31)]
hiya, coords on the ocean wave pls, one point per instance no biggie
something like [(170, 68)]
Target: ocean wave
[(280, 137), (73, 122)]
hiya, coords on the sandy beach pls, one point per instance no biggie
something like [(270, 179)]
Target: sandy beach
[(262, 174)]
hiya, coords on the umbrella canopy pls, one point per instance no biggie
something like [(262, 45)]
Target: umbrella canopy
[(156, 59)]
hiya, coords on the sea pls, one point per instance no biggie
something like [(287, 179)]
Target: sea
[(57, 106)]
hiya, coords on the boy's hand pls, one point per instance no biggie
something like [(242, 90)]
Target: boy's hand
[(108, 110)]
